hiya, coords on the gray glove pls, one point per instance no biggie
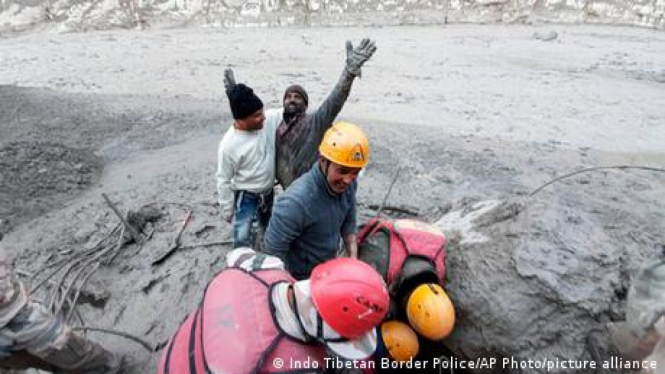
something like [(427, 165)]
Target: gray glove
[(356, 57), (229, 80)]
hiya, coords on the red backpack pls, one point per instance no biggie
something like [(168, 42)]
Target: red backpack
[(402, 249)]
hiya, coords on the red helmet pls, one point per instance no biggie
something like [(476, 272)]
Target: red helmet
[(350, 296)]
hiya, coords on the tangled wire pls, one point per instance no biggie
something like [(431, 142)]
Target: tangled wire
[(67, 277)]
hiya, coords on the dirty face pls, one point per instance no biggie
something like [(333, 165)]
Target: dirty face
[(339, 177), (252, 122), (294, 103)]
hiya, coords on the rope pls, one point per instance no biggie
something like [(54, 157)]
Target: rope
[(586, 170), (136, 339)]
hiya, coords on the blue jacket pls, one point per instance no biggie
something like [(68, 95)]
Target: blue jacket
[(308, 222)]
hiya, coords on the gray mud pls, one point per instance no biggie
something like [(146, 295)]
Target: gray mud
[(472, 124)]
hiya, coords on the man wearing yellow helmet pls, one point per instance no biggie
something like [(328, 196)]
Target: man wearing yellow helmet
[(410, 255), (430, 311), (300, 132), (398, 341), (319, 210)]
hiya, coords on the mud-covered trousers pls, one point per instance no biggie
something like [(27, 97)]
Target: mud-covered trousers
[(35, 338)]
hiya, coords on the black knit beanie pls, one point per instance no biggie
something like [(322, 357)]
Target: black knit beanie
[(243, 101), (297, 89)]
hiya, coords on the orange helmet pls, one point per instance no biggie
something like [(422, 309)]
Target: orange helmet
[(430, 311), (400, 341), (345, 144), (350, 296)]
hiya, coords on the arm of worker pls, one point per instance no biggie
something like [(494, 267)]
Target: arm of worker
[(229, 81), (286, 224), (225, 172), (332, 105), (350, 240), (644, 309), (349, 230), (628, 344), (248, 259)]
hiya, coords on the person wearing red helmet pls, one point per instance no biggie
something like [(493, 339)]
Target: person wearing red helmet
[(255, 318)]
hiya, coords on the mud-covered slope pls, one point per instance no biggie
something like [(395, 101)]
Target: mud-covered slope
[(470, 115), (81, 15)]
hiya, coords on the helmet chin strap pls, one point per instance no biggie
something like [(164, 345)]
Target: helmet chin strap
[(325, 171)]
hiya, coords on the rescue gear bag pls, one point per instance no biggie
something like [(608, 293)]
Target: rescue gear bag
[(388, 246)]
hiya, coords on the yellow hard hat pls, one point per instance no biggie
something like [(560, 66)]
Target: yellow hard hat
[(345, 144), (430, 311), (400, 341)]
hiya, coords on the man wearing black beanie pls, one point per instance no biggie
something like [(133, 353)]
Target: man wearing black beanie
[(246, 165), (244, 103), (300, 133)]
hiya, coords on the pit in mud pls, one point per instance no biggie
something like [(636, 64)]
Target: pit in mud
[(38, 176)]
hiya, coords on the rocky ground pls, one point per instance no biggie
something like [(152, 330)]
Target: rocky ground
[(471, 114)]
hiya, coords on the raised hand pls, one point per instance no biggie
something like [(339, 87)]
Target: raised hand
[(356, 57), (229, 80)]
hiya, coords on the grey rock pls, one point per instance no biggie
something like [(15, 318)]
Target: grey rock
[(545, 36)]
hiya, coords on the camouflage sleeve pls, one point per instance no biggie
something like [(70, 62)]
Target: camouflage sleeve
[(12, 294), (5, 280)]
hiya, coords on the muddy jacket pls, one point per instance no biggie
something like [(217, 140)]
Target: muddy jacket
[(12, 294), (298, 141)]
